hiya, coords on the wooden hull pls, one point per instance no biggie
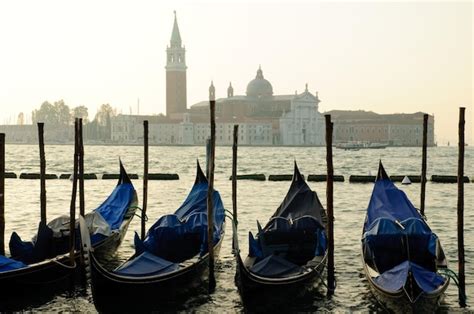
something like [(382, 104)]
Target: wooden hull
[(116, 293), (38, 283), (259, 292)]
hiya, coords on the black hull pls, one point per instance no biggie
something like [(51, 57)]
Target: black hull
[(38, 283), (259, 293), (115, 293)]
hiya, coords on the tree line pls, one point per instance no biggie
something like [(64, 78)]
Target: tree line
[(58, 114)]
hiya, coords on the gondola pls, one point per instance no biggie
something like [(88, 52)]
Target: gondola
[(287, 257), (402, 257), (170, 264), (38, 269)]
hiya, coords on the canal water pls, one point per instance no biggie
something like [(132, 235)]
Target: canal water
[(256, 201)]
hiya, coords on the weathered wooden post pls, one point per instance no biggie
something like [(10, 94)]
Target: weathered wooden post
[(145, 176), (329, 205), (81, 170), (423, 164), (208, 154), (210, 190), (461, 263), (72, 211), (2, 194), (42, 172), (234, 173)]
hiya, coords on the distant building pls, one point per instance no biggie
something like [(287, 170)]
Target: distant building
[(259, 104), (28, 133), (394, 129), (303, 124), (176, 103)]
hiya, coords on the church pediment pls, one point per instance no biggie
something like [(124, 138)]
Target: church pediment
[(306, 97)]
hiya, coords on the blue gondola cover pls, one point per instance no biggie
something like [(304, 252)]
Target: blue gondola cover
[(146, 264), (180, 236), (274, 266), (397, 239), (46, 245), (7, 264), (394, 279)]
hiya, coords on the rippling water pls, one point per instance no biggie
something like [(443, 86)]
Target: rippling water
[(256, 201)]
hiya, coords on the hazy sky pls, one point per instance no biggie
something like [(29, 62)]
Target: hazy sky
[(381, 56)]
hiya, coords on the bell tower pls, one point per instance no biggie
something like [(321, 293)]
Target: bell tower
[(175, 73)]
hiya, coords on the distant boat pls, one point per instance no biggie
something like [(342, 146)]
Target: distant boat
[(361, 145)]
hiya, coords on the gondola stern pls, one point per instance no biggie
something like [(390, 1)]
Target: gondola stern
[(200, 176), (296, 173), (124, 178), (381, 173)]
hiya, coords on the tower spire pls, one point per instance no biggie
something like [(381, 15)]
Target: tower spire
[(175, 36)]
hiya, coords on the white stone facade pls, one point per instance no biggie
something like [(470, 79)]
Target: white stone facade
[(303, 125), (128, 129)]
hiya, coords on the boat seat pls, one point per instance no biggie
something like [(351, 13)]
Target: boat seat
[(297, 246)]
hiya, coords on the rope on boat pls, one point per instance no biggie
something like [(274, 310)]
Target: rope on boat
[(64, 265), (141, 210), (452, 274)]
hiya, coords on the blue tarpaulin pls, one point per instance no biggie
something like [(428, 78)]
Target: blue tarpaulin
[(146, 264), (46, 245), (397, 240), (7, 264), (274, 266), (394, 279), (116, 205), (180, 236), (293, 235), (388, 201)]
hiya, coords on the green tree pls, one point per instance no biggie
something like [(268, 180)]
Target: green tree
[(103, 123), (104, 114), (46, 114), (63, 113), (57, 114), (81, 112)]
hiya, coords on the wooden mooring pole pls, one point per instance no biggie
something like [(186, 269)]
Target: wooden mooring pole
[(423, 165), (145, 177), (329, 205), (42, 172), (82, 203), (210, 190), (2, 194), (208, 154), (461, 262), (72, 211), (234, 173)]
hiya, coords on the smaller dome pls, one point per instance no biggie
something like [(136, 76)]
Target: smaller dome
[(259, 87)]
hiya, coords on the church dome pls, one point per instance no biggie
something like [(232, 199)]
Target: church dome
[(259, 87)]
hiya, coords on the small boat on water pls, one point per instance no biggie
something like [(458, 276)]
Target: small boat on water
[(171, 262), (361, 145), (42, 266), (401, 255), (287, 256)]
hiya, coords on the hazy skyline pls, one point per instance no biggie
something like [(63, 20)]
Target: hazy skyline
[(383, 57)]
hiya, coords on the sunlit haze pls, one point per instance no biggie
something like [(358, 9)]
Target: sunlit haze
[(383, 57)]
